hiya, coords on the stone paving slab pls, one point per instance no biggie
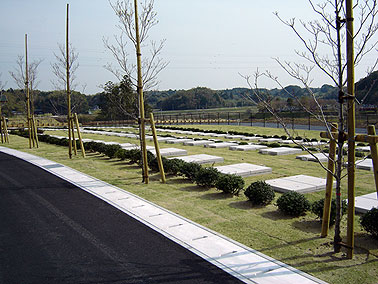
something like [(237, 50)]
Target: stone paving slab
[(221, 145), (247, 147), (366, 164), (298, 183), (322, 157), (248, 265), (178, 141), (280, 151), (288, 141), (167, 152), (198, 142), (244, 169), (201, 159)]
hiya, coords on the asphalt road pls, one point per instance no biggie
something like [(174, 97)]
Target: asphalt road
[(53, 232)]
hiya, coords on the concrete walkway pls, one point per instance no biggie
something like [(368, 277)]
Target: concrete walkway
[(242, 262)]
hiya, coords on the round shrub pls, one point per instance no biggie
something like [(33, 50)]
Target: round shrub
[(274, 145), (318, 207), (243, 143), (171, 166), (230, 183), (259, 193), (369, 221), (110, 150), (293, 203), (207, 177), (190, 170)]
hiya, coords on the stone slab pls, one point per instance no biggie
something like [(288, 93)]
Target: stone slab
[(221, 145), (280, 151), (298, 183), (178, 141), (251, 138), (288, 141), (198, 142), (363, 148), (234, 136), (247, 147), (366, 164), (270, 140), (202, 159), (366, 202), (167, 152), (244, 169), (322, 157)]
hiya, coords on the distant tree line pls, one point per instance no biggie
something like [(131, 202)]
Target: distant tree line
[(119, 100)]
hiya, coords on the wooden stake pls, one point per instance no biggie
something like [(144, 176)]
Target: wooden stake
[(69, 121), (329, 184), (351, 128), (157, 149), (79, 135)]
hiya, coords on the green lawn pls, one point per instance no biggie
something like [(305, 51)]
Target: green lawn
[(294, 241)]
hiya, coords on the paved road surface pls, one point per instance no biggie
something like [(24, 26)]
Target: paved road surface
[(52, 232)]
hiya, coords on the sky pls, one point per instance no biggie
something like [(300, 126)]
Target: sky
[(209, 43)]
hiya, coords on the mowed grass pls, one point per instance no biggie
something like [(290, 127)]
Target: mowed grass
[(295, 241)]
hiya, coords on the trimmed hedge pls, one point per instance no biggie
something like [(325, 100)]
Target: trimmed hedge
[(293, 204), (230, 183), (318, 207), (259, 193), (369, 221)]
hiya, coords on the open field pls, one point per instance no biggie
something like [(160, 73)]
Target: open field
[(295, 241)]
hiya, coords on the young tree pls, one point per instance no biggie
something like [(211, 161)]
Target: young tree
[(324, 42), (18, 76), (153, 64)]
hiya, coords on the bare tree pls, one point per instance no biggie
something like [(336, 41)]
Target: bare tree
[(323, 40), (18, 76), (153, 64), (2, 84), (59, 68)]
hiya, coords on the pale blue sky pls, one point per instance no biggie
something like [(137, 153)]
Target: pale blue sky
[(208, 41)]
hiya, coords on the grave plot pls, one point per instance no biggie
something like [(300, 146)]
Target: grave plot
[(366, 202), (198, 142), (178, 140), (322, 157), (234, 136), (218, 135), (201, 159), (252, 138), (363, 149), (128, 145), (221, 145), (298, 183), (366, 164), (280, 151), (251, 147), (288, 141), (159, 138), (313, 143), (269, 140), (244, 169), (169, 152)]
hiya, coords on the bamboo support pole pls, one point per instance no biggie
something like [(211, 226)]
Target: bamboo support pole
[(73, 135), (351, 128), (1, 127), (69, 121), (34, 132), (374, 155), (27, 91), (5, 130), (140, 92), (79, 135), (329, 184), (157, 149)]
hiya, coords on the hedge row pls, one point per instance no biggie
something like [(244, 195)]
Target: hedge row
[(259, 193)]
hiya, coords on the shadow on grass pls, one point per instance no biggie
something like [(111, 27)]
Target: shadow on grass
[(194, 188), (216, 196), (312, 226), (276, 215), (244, 205)]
